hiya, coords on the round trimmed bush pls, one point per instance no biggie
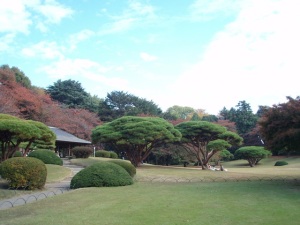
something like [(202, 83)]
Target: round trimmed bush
[(113, 155), (47, 156), (101, 174), (131, 170), (281, 163), (18, 154), (82, 151), (24, 172), (102, 153)]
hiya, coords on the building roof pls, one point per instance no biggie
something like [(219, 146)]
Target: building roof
[(67, 137)]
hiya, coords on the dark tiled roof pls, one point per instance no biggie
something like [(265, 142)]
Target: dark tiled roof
[(67, 137)]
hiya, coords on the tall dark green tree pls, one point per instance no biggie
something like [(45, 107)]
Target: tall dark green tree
[(262, 109), (119, 103), (68, 92), (242, 115), (210, 118), (280, 127)]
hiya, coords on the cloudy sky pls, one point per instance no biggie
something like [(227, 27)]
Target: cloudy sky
[(206, 54)]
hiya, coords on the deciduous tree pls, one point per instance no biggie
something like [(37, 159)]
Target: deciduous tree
[(280, 126)]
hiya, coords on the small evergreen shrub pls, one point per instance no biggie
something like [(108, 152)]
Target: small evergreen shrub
[(102, 153), (101, 174), (24, 172), (131, 170), (82, 151), (281, 163), (47, 156), (18, 154), (113, 155)]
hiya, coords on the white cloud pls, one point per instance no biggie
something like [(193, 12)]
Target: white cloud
[(147, 57), (46, 50), (138, 8), (6, 41), (117, 26), (53, 11), (255, 58), (17, 15), (82, 68), (79, 37), (135, 14), (208, 9), (14, 17)]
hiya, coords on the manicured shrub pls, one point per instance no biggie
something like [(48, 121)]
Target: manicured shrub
[(18, 154), (102, 153), (82, 151), (113, 155), (47, 156), (101, 174), (281, 163), (131, 170), (24, 172)]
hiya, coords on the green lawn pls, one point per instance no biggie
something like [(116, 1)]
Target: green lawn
[(57, 173), (167, 203), (171, 203)]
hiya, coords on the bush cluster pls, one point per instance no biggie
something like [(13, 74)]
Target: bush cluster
[(47, 156), (24, 172), (18, 154), (101, 174), (131, 170), (281, 163), (82, 151), (113, 155), (106, 154)]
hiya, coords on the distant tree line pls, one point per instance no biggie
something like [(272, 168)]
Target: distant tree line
[(66, 105)]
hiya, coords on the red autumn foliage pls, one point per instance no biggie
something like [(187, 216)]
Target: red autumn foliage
[(35, 104), (228, 124)]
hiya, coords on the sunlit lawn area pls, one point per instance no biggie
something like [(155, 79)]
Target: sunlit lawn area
[(169, 202), (57, 173)]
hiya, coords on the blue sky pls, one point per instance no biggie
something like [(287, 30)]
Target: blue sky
[(205, 54)]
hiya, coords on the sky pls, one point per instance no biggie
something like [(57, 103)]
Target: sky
[(205, 54)]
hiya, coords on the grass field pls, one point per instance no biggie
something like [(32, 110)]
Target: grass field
[(169, 203)]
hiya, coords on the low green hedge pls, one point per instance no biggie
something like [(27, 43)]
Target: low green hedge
[(24, 172), (47, 156), (18, 154), (281, 163), (101, 174), (131, 170), (82, 151), (113, 155), (102, 153)]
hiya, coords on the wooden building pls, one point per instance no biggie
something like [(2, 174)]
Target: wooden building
[(66, 141)]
